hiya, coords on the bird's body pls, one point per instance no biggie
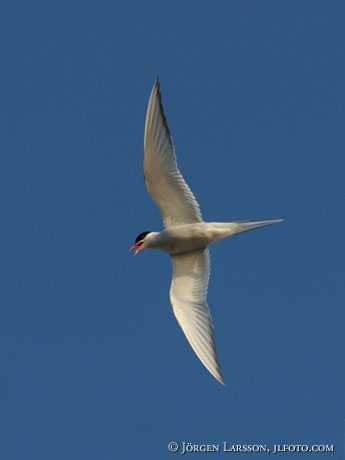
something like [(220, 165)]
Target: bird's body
[(186, 236), (180, 239)]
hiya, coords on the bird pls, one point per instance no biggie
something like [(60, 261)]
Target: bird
[(185, 237)]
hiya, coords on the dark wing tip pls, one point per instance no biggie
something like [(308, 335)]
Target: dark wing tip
[(221, 380), (157, 88)]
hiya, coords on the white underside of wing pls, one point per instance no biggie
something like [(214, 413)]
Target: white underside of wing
[(188, 295), (163, 180)]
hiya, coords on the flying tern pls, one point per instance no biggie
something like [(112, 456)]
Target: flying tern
[(186, 235)]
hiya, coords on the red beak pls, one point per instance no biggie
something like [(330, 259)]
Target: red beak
[(137, 247)]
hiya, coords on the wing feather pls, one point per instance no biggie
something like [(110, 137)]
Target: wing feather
[(188, 296), (163, 180)]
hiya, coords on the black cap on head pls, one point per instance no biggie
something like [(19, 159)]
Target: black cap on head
[(141, 236)]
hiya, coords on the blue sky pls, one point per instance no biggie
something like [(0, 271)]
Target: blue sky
[(93, 364)]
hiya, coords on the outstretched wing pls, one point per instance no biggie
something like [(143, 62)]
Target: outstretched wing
[(163, 180), (188, 296)]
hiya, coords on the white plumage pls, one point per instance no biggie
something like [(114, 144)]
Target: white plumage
[(188, 296), (186, 236), (163, 180)]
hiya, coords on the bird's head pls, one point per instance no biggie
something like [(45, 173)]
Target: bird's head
[(140, 242)]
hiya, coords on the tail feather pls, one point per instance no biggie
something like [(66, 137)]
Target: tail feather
[(246, 226)]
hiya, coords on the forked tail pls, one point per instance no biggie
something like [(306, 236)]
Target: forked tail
[(246, 226)]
